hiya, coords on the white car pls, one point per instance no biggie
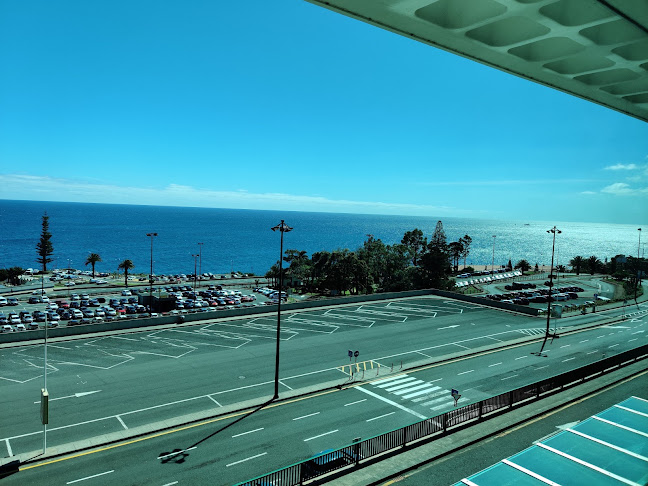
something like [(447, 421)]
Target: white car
[(45, 299), (14, 319), (3, 300), (39, 292), (70, 284), (7, 328), (126, 292), (20, 327), (75, 297)]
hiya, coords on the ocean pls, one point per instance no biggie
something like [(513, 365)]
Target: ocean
[(241, 240)]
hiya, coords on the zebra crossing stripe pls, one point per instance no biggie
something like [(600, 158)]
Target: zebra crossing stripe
[(436, 400), (392, 378), (431, 395), (427, 387), (402, 380), (416, 394), (406, 385)]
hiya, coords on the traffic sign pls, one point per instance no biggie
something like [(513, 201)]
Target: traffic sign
[(350, 353), (356, 354)]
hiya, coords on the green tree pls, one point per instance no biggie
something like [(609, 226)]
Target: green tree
[(593, 264), (509, 266), (465, 241), (44, 247), (126, 265), (523, 265), (415, 243), (435, 263), (576, 263), (11, 275), (93, 259), (456, 250)]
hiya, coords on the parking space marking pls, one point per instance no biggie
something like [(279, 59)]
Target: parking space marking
[(9, 448), (121, 421)]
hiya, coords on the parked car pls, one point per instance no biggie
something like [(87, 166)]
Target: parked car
[(12, 301), (20, 327), (7, 328)]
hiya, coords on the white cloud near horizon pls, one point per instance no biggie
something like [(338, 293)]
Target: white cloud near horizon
[(44, 188), (623, 189), (622, 167)]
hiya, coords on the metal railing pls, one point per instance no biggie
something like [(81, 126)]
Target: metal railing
[(368, 451)]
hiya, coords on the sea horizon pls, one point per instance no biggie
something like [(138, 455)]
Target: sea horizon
[(241, 240)]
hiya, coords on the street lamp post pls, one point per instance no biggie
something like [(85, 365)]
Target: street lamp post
[(493, 262), (151, 235), (195, 257), (283, 228), (200, 262), (553, 230)]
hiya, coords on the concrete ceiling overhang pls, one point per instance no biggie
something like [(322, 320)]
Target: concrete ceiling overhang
[(594, 49)]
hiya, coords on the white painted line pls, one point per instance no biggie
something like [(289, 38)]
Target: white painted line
[(496, 364), (630, 340), (397, 405), (402, 380), (170, 484), (248, 432), (465, 372), (126, 339), (243, 460), (176, 453), (285, 385), (509, 377), (353, 403), (592, 352), (460, 345), (445, 398), (568, 359), (422, 392), (599, 337), (613, 345), (9, 447), (427, 387), (565, 346), (583, 341), (380, 416), (121, 421), (214, 400), (398, 387), (321, 435), (385, 380), (521, 357), (304, 416), (90, 477), (542, 367), (447, 327), (60, 347)]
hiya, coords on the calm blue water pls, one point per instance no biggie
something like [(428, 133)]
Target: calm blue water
[(242, 240)]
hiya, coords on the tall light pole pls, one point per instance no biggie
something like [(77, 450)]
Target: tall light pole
[(151, 235), (200, 262), (493, 262), (283, 228), (195, 257), (553, 230)]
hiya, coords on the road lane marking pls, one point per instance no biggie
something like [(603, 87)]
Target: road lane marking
[(285, 385), (121, 421), (380, 416), (496, 364), (397, 382), (177, 453), (568, 359), (422, 392), (214, 400), (304, 416), (599, 337), (461, 346), (592, 352), (613, 345), (406, 385), (321, 435), (545, 366), (248, 432), (465, 372), (583, 341), (447, 327), (565, 346), (385, 380), (397, 405), (509, 377), (170, 484), (521, 357), (90, 477), (247, 459), (427, 386), (353, 403), (630, 340)]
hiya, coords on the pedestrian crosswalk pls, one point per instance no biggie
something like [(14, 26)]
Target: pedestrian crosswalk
[(422, 393)]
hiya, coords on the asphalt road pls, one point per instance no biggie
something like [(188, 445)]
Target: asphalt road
[(239, 446)]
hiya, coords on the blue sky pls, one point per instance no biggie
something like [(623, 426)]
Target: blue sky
[(285, 105)]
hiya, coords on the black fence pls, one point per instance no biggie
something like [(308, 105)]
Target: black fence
[(368, 451)]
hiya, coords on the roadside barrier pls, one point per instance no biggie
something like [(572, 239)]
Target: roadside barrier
[(368, 451)]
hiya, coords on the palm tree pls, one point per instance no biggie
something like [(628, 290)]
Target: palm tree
[(126, 265), (593, 263), (93, 259), (523, 265), (576, 263)]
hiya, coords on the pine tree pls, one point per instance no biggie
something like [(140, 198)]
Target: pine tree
[(44, 247)]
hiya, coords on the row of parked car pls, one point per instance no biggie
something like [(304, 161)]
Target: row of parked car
[(537, 296)]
